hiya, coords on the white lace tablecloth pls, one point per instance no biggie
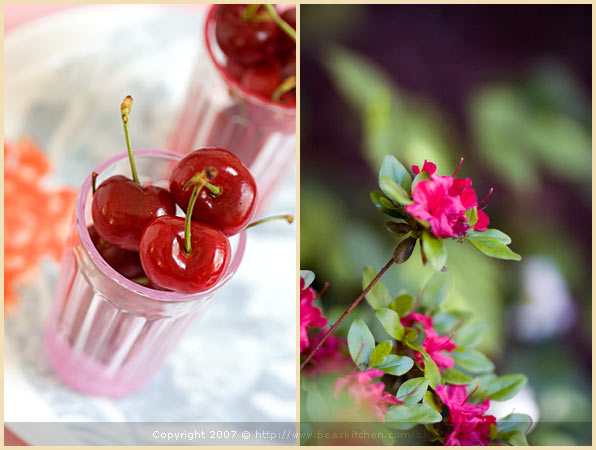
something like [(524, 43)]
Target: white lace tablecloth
[(65, 77)]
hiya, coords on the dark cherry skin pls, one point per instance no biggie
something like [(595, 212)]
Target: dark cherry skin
[(233, 208), (167, 264), (285, 44), (122, 209), (125, 262), (262, 80), (246, 42)]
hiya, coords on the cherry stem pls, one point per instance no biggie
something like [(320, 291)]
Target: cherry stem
[(287, 217), (143, 281), (200, 178), (250, 11), (348, 311), (124, 110), (285, 26), (286, 86), (191, 205), (93, 181)]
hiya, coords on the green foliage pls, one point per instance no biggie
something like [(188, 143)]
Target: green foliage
[(394, 191), (395, 171), (470, 335), (414, 414), (435, 291), (308, 277), (435, 250), (380, 352), (378, 296), (402, 304), (472, 361), (412, 390), (453, 376), (396, 365), (492, 244), (391, 323), (361, 342), (506, 387)]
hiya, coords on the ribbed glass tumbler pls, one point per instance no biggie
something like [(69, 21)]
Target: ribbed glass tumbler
[(106, 334)]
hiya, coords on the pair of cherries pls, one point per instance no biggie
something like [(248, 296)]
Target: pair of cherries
[(260, 47), (135, 222)]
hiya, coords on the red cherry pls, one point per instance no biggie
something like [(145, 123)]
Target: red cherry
[(246, 41), (167, 264), (289, 67), (235, 69), (284, 42), (262, 80), (124, 262), (121, 210), (229, 211)]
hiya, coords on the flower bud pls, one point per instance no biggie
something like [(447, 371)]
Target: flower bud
[(404, 250), (398, 228)]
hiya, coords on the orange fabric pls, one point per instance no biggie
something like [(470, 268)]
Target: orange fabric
[(36, 218)]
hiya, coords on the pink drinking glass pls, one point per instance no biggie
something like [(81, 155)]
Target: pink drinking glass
[(107, 335), (219, 112)]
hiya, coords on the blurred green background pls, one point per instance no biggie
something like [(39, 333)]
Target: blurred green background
[(507, 87)]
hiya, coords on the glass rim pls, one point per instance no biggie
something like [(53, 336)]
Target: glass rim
[(275, 106), (121, 280)]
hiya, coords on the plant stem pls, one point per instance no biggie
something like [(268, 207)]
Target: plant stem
[(288, 217), (93, 181), (191, 204), (124, 110), (286, 86), (348, 311), (285, 26)]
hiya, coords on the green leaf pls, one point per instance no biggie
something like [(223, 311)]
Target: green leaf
[(308, 277), (431, 371), (491, 233), (396, 365), (516, 438), (394, 191), (506, 387), (378, 296), (472, 216), (361, 342), (493, 247), (435, 291), (385, 205), (453, 376), (472, 361), (470, 335), (418, 413), (402, 304), (429, 400), (435, 250), (514, 422), (418, 178), (412, 391), (380, 352), (391, 323), (445, 321), (395, 171)]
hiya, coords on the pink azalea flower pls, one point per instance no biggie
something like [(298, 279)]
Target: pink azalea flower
[(442, 201), (433, 344), (331, 357), (369, 398), (428, 167), (310, 315), (470, 426)]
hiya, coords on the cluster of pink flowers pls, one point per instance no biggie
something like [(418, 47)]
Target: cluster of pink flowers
[(433, 343), (469, 424), (310, 315), (331, 357), (369, 399), (443, 201)]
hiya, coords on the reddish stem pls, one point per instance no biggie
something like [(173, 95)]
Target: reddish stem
[(348, 311)]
